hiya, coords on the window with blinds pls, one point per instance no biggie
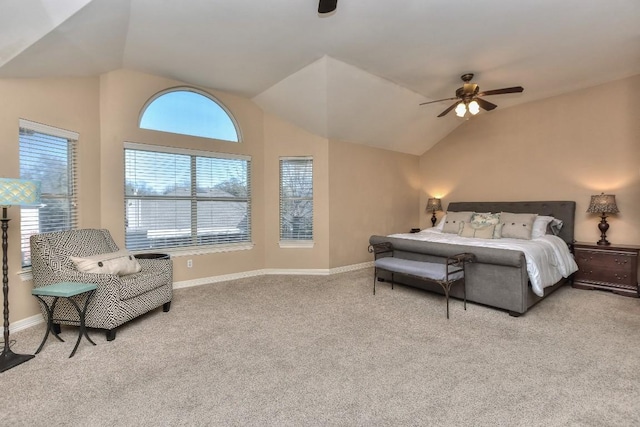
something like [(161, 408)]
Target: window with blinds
[(177, 198), (296, 198), (48, 155)]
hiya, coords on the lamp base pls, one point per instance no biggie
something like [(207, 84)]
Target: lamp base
[(9, 359), (603, 226), (433, 219)]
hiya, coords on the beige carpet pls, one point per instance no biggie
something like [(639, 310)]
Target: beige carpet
[(323, 351)]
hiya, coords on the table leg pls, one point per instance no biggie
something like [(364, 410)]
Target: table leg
[(83, 329), (49, 321)]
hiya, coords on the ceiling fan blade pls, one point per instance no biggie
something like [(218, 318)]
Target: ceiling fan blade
[(327, 6), (515, 89), (445, 112), (439, 100), (485, 105)]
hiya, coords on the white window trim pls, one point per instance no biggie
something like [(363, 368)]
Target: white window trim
[(186, 151), (199, 92), (51, 130), (72, 139), (296, 244), (194, 250)]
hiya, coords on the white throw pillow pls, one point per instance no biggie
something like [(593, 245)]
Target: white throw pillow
[(484, 232), (454, 221), (517, 226), (120, 263), (440, 225), (540, 226)]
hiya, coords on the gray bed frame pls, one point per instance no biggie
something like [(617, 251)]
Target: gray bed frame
[(499, 277)]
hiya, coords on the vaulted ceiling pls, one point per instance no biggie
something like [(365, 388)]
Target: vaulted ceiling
[(357, 74)]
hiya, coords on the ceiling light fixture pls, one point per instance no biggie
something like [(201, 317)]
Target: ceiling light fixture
[(472, 107)]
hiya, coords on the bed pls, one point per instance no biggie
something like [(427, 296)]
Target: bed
[(509, 274)]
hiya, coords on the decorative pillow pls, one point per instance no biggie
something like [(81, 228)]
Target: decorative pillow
[(440, 225), (540, 226), (517, 226), (468, 230), (555, 226), (454, 220), (480, 219), (120, 263)]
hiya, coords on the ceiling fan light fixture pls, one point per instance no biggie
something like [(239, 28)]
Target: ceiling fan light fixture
[(461, 110), (474, 108)]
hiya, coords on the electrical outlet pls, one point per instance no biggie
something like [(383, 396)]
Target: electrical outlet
[(189, 263)]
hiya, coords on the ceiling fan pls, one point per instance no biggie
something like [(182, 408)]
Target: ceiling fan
[(327, 6), (469, 98)]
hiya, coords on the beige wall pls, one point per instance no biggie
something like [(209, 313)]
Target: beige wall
[(123, 93), (282, 139), (372, 191), (70, 104), (564, 148)]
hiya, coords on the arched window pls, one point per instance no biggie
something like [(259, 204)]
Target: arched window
[(189, 111)]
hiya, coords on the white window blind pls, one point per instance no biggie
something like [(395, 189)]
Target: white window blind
[(48, 155), (296, 198), (176, 198)]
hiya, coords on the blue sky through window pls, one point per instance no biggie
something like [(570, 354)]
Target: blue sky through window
[(189, 113)]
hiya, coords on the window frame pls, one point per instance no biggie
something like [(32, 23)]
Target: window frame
[(194, 198), (199, 92), (70, 198), (284, 241)]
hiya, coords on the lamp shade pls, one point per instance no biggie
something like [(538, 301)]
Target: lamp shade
[(434, 205), (603, 203), (19, 192)]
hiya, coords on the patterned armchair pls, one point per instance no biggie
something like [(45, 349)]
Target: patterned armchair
[(117, 299)]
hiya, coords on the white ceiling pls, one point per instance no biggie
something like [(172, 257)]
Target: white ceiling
[(357, 74)]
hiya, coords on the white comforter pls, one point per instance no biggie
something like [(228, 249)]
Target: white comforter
[(548, 258)]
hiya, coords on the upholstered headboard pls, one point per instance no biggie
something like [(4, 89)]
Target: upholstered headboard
[(563, 210)]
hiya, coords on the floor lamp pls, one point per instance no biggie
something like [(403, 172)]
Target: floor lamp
[(13, 192)]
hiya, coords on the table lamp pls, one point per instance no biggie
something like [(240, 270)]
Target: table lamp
[(434, 205), (603, 204)]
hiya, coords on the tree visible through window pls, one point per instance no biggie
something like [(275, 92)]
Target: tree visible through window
[(188, 111), (296, 198), (48, 155)]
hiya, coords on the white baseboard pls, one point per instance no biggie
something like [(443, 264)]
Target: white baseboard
[(19, 325), (271, 271)]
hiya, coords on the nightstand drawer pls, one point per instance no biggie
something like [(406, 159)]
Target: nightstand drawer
[(608, 267)]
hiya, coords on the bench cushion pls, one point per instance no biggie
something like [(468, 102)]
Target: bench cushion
[(428, 270)]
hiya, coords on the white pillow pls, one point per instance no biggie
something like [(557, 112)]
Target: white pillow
[(540, 225), (517, 226), (484, 232), (120, 263), (454, 221), (440, 225)]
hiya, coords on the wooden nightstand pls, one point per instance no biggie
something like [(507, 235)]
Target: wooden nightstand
[(613, 268)]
